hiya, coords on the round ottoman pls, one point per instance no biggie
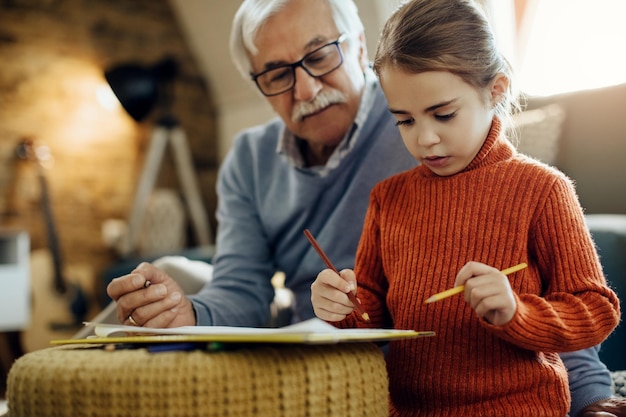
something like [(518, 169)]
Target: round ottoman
[(258, 380)]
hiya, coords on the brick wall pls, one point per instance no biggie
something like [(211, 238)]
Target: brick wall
[(53, 54)]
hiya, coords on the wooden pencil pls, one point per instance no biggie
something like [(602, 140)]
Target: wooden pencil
[(461, 288), (330, 265)]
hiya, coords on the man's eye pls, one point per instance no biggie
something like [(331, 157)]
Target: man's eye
[(318, 58), (279, 74)]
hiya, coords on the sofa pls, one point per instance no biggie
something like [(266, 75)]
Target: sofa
[(591, 145)]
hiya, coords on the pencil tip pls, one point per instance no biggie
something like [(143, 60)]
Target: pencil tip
[(365, 316), (429, 300)]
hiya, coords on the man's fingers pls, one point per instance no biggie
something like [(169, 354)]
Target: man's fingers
[(157, 314), (131, 302), (127, 284), (167, 315), (162, 320), (151, 273), (144, 275)]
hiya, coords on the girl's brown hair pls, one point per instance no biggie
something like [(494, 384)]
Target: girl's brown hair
[(445, 35)]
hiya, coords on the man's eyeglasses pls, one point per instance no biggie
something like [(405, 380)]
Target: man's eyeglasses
[(317, 63)]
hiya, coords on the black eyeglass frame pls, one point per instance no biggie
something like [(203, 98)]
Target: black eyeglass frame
[(300, 63)]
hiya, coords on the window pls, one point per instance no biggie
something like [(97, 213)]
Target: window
[(567, 45)]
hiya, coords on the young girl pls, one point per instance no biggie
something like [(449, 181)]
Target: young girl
[(472, 208)]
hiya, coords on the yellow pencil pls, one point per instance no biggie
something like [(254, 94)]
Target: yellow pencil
[(461, 288)]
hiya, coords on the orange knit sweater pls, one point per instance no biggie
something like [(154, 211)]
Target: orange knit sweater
[(503, 209)]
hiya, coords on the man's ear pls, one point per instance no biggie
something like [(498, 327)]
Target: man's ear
[(499, 88), (363, 55)]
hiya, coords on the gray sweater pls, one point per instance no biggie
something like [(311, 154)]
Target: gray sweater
[(265, 203)]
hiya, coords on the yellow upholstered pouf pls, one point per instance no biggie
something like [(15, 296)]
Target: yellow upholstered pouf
[(259, 380)]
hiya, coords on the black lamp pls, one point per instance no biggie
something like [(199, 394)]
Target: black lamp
[(140, 89)]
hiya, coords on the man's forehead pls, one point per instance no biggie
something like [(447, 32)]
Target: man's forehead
[(299, 27), (290, 49)]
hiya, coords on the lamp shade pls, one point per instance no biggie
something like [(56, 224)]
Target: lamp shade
[(139, 87)]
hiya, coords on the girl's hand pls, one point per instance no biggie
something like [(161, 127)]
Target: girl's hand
[(329, 294), (488, 292)]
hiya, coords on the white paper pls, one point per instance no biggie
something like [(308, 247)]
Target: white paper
[(313, 325)]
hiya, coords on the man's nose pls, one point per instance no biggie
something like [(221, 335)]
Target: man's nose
[(306, 87)]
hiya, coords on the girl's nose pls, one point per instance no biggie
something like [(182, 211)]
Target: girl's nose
[(427, 138)]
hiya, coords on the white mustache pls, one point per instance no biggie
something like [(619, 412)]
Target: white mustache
[(324, 99)]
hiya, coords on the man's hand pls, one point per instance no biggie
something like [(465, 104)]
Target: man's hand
[(612, 407), (149, 297)]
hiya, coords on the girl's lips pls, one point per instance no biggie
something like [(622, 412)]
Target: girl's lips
[(436, 161)]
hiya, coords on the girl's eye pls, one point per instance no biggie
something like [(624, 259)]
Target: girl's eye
[(404, 122), (445, 117)]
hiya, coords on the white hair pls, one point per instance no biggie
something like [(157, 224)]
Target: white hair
[(252, 14)]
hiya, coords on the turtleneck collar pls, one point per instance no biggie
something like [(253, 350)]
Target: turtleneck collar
[(496, 148)]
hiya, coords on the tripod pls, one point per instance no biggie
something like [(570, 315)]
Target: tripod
[(167, 131)]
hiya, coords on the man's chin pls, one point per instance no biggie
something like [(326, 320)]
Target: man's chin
[(329, 132)]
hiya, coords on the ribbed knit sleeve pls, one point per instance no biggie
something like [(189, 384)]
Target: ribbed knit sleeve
[(503, 209), (575, 308)]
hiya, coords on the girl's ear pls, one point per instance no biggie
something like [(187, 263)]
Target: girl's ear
[(499, 88)]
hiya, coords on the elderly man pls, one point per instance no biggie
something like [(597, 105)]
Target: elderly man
[(312, 167)]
